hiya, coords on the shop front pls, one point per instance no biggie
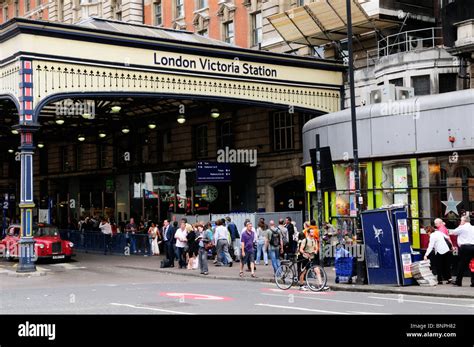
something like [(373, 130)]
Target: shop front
[(405, 164)]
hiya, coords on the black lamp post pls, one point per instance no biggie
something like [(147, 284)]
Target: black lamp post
[(355, 147)]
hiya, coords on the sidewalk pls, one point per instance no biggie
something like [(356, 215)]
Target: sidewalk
[(265, 274)]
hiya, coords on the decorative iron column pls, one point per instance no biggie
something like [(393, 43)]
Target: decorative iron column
[(26, 243), (26, 128)]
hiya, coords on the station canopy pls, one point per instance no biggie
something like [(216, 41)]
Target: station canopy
[(322, 22)]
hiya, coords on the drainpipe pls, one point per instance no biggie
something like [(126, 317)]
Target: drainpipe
[(143, 11)]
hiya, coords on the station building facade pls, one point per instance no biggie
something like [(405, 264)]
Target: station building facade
[(113, 119)]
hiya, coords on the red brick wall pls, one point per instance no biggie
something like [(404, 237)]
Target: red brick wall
[(241, 23)]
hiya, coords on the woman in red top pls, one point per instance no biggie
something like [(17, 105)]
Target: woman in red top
[(441, 226)]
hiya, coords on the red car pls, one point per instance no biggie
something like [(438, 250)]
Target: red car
[(48, 243)]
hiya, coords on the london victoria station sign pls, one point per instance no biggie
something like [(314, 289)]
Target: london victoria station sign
[(207, 64)]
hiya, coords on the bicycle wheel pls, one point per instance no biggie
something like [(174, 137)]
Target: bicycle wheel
[(284, 277), (316, 278)]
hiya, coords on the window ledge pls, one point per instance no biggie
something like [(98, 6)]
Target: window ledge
[(200, 10)]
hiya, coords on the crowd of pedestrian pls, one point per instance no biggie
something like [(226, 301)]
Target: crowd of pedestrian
[(191, 245)]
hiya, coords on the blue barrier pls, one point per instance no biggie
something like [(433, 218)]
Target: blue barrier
[(94, 241)]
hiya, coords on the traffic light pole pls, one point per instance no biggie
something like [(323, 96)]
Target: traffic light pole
[(319, 197)]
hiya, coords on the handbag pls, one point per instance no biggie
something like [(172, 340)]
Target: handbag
[(208, 245)]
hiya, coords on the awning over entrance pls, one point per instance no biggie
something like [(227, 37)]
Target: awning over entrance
[(43, 61), (322, 22)]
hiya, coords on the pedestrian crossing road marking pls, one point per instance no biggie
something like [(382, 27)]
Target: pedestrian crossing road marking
[(196, 296)]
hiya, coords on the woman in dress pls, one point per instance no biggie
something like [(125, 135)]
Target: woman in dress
[(155, 237)]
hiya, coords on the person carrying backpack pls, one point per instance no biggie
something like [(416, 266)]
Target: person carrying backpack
[(274, 243), (285, 237)]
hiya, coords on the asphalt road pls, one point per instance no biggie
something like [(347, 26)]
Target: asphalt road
[(102, 288)]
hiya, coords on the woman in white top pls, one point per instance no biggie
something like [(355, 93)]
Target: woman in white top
[(442, 258), (155, 237), (261, 233), (181, 244)]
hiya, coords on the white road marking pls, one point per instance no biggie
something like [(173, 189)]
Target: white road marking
[(150, 308), (403, 300), (300, 309), (322, 299), (444, 298)]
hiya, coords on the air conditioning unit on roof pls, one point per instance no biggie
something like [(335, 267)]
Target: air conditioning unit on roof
[(402, 93), (415, 43), (382, 94)]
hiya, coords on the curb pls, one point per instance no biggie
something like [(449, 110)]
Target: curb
[(334, 287), (11, 273)]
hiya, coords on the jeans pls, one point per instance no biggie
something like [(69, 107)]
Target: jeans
[(260, 249), (181, 255), (275, 256), (107, 243), (223, 247), (133, 243), (203, 260)]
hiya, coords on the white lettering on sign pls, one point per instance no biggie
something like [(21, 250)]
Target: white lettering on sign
[(72, 203), (231, 67)]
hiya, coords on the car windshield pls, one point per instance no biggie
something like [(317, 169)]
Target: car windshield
[(46, 231)]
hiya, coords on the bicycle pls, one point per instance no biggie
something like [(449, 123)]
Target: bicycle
[(287, 275)]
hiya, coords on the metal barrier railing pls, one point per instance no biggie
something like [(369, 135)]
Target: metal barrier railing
[(405, 42), (91, 241)]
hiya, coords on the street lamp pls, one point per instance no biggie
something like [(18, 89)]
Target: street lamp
[(15, 132), (81, 138), (59, 121), (11, 150), (125, 130), (151, 126), (102, 134), (355, 147), (40, 145)]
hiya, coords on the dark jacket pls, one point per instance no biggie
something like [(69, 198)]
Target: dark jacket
[(193, 246), (291, 231), (234, 232), (170, 234)]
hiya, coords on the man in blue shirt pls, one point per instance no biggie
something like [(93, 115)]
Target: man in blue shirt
[(235, 238)]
